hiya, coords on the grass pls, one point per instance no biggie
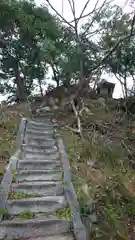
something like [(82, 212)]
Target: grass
[(26, 215), (9, 124), (14, 176), (19, 195), (101, 178), (63, 213), (3, 211)]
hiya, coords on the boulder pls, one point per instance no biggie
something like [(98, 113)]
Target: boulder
[(44, 109)]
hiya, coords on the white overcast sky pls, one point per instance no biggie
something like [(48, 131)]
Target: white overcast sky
[(67, 14)]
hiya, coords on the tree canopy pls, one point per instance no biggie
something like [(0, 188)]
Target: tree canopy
[(33, 41)]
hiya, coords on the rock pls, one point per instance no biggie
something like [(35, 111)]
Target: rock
[(45, 109), (85, 189), (102, 102), (38, 110), (55, 107), (88, 111)]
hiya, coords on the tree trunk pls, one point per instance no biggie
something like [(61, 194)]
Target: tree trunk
[(20, 93), (55, 76), (40, 86), (125, 88)]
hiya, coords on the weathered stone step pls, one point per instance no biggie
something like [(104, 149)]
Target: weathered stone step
[(48, 149), (46, 156), (36, 141), (38, 165), (42, 188), (39, 123), (40, 134), (40, 227), (40, 128), (38, 175), (37, 153), (40, 147), (66, 236), (36, 205), (39, 138)]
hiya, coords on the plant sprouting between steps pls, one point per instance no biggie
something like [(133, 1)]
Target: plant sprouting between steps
[(26, 215), (19, 195)]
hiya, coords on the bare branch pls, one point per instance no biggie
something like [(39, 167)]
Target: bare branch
[(103, 4), (64, 20), (93, 33), (71, 6), (88, 14), (85, 6)]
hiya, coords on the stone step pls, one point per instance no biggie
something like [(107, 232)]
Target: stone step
[(66, 236), (36, 205), (40, 134), (37, 141), (48, 149), (40, 128), (41, 227), (43, 115), (39, 138), (39, 123), (38, 175), (42, 188), (38, 165), (41, 147), (41, 156), (42, 152)]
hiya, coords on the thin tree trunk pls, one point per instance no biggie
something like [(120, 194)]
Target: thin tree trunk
[(55, 76), (40, 86), (20, 94)]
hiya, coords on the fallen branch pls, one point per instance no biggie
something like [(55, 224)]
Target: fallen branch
[(79, 130), (131, 161)]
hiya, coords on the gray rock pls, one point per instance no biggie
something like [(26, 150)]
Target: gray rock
[(45, 109)]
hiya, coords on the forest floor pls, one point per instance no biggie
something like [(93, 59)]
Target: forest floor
[(102, 165)]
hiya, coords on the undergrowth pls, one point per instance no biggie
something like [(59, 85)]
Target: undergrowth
[(103, 181), (9, 125)]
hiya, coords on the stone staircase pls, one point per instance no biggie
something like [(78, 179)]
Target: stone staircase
[(37, 193)]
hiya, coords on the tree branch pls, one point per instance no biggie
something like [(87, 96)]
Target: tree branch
[(111, 51), (64, 20), (88, 14), (77, 118), (104, 3), (85, 6)]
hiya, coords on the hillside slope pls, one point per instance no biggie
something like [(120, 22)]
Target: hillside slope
[(103, 167), (10, 117)]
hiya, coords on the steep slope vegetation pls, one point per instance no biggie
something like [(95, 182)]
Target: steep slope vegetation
[(103, 167)]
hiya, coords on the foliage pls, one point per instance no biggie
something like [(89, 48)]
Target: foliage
[(122, 61), (22, 26), (26, 215)]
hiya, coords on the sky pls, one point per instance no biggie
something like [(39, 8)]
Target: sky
[(63, 7)]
